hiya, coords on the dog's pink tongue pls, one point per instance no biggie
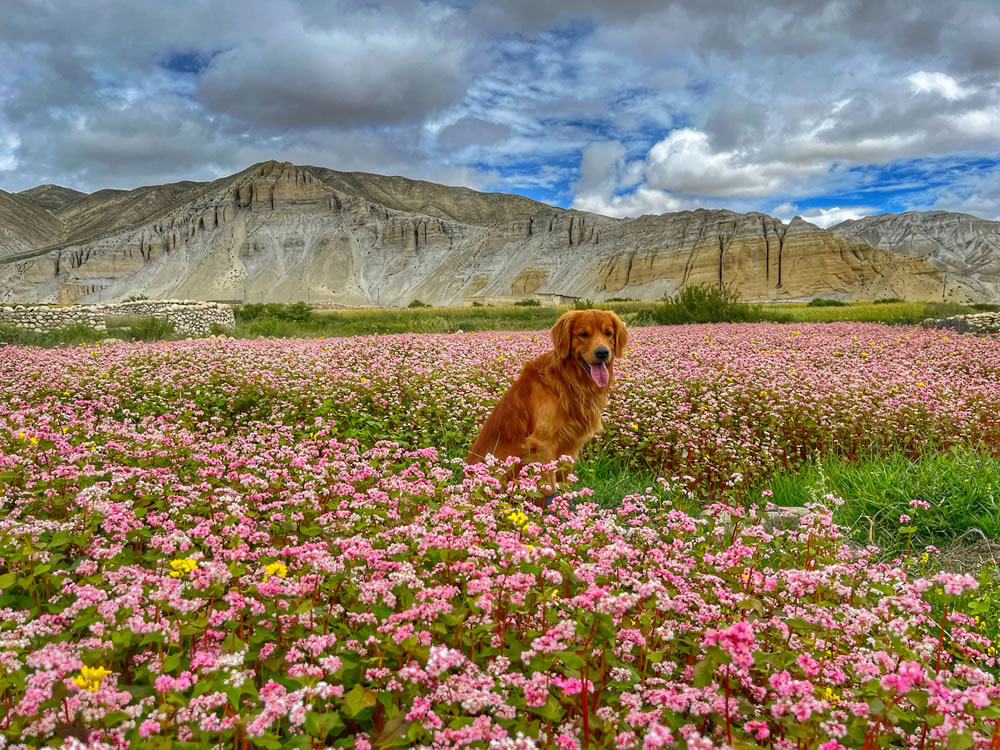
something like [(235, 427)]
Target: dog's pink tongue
[(599, 373)]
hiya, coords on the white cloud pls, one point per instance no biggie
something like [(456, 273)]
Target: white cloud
[(923, 82), (9, 143), (822, 217), (684, 162), (643, 200)]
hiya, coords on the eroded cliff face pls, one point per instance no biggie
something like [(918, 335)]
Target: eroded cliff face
[(277, 232), (960, 244)]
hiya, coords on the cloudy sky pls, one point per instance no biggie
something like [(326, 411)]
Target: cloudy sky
[(827, 109)]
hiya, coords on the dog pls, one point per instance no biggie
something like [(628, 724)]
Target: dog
[(554, 408)]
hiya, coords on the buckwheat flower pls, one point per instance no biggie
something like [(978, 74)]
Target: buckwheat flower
[(904, 518)]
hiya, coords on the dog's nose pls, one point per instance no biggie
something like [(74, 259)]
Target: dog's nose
[(602, 353)]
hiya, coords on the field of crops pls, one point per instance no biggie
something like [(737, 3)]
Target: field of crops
[(274, 544)]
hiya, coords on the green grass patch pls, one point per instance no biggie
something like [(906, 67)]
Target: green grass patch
[(693, 305), (70, 335), (962, 487)]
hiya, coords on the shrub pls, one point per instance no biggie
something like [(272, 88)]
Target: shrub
[(583, 304), (888, 301), (706, 303), (151, 329), (986, 307), (820, 302), (527, 303), (417, 303), (477, 304), (297, 311)]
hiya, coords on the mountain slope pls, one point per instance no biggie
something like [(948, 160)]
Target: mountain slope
[(955, 242), (52, 197), (441, 201), (25, 225), (277, 232)]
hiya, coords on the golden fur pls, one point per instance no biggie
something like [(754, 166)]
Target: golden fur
[(555, 405)]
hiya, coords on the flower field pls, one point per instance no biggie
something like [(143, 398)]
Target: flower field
[(271, 544)]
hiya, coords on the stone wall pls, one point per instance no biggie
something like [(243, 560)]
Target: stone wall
[(190, 317), (987, 322)]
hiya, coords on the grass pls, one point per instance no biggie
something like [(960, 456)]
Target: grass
[(71, 335), (299, 321), (962, 487)]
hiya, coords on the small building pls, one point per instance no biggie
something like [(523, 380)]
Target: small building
[(507, 300)]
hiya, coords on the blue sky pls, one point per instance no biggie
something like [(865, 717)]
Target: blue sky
[(830, 109)]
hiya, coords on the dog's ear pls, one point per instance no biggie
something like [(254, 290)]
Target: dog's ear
[(562, 335), (621, 335)]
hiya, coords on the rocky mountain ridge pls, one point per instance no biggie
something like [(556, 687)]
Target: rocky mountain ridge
[(278, 232), (957, 243)]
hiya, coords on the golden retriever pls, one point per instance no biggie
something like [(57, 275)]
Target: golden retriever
[(555, 406)]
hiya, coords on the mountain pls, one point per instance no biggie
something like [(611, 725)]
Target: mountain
[(958, 243), (278, 232), (25, 225), (52, 197)]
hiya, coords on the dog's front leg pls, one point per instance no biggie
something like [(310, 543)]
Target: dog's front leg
[(542, 449)]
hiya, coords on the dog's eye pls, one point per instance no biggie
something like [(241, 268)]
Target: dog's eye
[(583, 335), (607, 333)]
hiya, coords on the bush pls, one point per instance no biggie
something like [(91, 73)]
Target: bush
[(583, 304), (417, 303), (151, 329), (297, 311), (888, 301), (219, 330), (477, 304), (706, 303), (527, 303), (986, 307), (820, 302)]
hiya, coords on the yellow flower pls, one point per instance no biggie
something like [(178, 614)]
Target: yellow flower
[(276, 569), (90, 678), (181, 566), (634, 426)]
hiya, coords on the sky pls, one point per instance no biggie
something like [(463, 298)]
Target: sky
[(828, 109)]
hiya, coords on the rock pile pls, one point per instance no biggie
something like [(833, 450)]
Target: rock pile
[(980, 323), (190, 317)]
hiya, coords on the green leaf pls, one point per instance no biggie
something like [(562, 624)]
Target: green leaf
[(704, 670), (320, 725), (797, 623), (171, 662), (959, 741), (395, 729), (358, 699), (918, 698), (7, 580), (551, 710), (571, 659)]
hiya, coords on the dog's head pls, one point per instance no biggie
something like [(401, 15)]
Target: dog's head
[(594, 338)]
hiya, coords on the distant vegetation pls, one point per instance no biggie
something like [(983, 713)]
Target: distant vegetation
[(693, 305), (707, 304)]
